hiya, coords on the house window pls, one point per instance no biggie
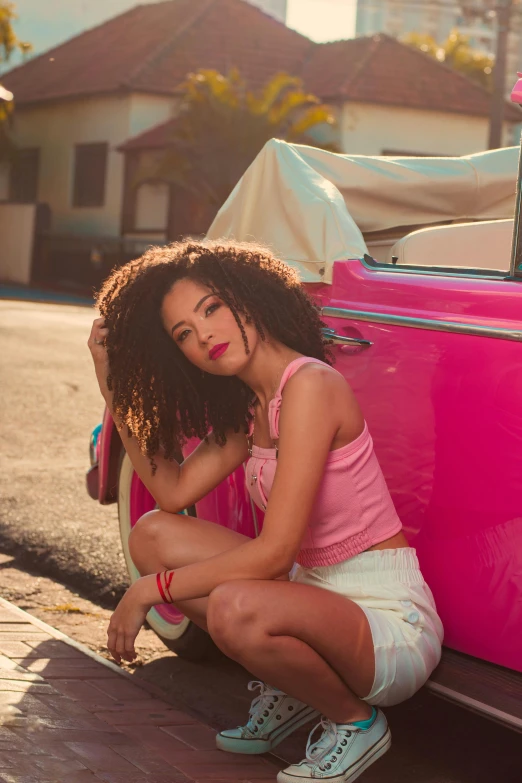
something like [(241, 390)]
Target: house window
[(23, 176), (90, 172)]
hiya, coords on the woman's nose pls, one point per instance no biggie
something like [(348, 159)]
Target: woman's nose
[(205, 335)]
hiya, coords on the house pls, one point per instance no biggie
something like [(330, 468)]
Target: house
[(87, 108)]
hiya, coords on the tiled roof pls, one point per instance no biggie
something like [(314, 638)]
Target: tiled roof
[(151, 48), (380, 69), (155, 138)]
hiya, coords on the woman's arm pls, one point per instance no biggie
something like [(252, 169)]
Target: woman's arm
[(174, 486), (308, 423)]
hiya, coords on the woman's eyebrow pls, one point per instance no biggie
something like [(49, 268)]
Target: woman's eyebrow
[(207, 296)]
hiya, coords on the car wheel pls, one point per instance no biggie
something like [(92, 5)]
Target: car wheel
[(175, 630)]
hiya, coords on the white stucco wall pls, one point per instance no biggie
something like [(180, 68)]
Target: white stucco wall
[(57, 128), (147, 111), (367, 129), (17, 222)]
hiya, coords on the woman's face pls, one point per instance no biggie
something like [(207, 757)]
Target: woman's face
[(205, 330)]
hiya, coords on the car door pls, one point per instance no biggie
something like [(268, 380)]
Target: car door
[(441, 388)]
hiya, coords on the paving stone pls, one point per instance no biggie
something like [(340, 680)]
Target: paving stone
[(154, 705), (27, 702), (15, 674), (84, 691), (106, 737), (53, 648), (10, 740), (120, 689), (56, 749), (141, 777), (9, 664), (15, 649), (21, 763), (63, 668), (7, 616), (4, 762), (218, 764), (145, 759), (231, 772), (97, 756), (154, 737), (85, 776), (198, 737), (16, 627), (19, 636), (145, 717), (61, 768), (30, 686)]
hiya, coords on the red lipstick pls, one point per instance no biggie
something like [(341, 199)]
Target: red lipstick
[(218, 350)]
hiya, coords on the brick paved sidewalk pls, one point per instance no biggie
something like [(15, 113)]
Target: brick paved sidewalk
[(69, 716)]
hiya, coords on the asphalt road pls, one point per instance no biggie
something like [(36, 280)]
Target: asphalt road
[(49, 405)]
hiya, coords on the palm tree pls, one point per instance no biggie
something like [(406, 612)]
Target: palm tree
[(457, 53), (222, 125), (8, 44)]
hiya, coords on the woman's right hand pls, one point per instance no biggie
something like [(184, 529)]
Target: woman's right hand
[(96, 344)]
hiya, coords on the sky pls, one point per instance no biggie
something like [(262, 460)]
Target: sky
[(46, 23)]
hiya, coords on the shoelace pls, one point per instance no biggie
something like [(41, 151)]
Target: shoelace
[(260, 703), (332, 736)]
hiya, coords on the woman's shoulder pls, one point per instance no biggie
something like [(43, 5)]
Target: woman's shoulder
[(315, 374)]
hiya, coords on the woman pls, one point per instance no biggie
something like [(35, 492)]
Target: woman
[(213, 337)]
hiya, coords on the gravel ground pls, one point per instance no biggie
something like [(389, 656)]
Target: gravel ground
[(50, 404)]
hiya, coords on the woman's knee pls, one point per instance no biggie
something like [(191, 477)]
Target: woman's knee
[(232, 616), (144, 537)]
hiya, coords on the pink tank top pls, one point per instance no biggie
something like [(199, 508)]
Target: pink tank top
[(353, 509)]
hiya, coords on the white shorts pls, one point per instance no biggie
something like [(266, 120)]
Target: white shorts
[(407, 632)]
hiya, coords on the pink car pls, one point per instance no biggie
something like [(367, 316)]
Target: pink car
[(410, 261)]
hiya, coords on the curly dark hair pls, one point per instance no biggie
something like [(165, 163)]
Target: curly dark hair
[(162, 397)]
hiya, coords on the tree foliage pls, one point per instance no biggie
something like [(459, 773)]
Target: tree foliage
[(457, 53), (222, 125), (9, 43)]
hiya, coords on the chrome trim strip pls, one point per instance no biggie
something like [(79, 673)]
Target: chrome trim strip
[(495, 332), (476, 706), (515, 267), (411, 269)]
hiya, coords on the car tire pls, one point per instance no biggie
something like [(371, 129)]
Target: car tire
[(177, 632)]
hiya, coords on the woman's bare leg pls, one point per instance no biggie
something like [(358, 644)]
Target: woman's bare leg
[(311, 643), (161, 540)]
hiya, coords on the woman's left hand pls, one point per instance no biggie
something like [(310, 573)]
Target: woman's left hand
[(125, 624)]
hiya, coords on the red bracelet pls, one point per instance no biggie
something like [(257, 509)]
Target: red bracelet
[(168, 582), (160, 588)]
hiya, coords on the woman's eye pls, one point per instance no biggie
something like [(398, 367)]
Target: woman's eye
[(208, 311)]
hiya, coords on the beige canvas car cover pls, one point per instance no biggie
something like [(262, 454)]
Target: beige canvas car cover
[(312, 207)]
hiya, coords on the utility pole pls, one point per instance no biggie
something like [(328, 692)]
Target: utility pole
[(498, 99)]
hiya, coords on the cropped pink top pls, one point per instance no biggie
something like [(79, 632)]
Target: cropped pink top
[(353, 509)]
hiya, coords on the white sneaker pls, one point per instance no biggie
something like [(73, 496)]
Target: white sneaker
[(341, 754), (273, 716)]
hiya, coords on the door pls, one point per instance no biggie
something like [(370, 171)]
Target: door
[(441, 388)]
